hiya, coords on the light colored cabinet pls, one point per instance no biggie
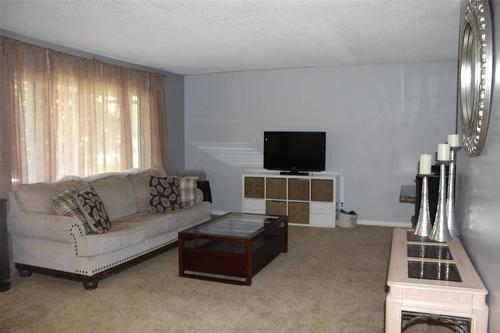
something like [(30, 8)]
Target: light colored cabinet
[(306, 200)]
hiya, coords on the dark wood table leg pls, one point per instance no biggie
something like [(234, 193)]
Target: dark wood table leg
[(180, 249), (248, 253)]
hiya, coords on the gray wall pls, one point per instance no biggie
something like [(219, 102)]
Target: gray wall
[(378, 120), (478, 199), (174, 91), (175, 121)]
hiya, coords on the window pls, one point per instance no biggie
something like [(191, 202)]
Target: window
[(75, 116), (73, 139)]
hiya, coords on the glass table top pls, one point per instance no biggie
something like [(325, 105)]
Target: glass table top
[(234, 225), (433, 271), (429, 251), (410, 236)]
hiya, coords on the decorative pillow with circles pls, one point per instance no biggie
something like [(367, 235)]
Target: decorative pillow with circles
[(65, 204), (93, 210), (164, 194)]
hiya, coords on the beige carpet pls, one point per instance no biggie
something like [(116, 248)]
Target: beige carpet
[(329, 281)]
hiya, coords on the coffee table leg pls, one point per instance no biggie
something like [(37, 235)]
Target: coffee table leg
[(248, 252), (180, 248)]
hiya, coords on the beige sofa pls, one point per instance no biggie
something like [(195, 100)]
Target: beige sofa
[(52, 244)]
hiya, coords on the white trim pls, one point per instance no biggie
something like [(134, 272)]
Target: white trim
[(311, 225), (219, 212), (385, 223)]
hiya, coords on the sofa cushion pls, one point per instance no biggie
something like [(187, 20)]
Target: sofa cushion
[(36, 197), (123, 235), (175, 220), (164, 194), (117, 195), (65, 204), (140, 182), (93, 210), (188, 187)]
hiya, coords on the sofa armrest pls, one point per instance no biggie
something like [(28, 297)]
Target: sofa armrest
[(45, 226)]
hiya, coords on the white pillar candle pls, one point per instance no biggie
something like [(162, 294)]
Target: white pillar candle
[(425, 164), (443, 152), (454, 140)]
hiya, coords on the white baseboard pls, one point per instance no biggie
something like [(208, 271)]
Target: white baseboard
[(219, 212), (311, 226), (385, 223)]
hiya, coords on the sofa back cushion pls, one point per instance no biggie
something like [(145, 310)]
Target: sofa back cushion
[(117, 195), (36, 197), (140, 182)]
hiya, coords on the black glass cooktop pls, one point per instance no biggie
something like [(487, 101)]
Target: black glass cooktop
[(433, 271), (429, 251)]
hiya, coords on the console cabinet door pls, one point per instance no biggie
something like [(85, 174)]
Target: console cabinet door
[(298, 212), (254, 187), (275, 188), (298, 189), (322, 190), (275, 207)]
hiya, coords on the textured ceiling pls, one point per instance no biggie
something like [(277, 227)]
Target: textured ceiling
[(191, 37)]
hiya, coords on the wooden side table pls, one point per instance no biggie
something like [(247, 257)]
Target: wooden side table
[(435, 281)]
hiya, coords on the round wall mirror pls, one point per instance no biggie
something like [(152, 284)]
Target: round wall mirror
[(475, 74)]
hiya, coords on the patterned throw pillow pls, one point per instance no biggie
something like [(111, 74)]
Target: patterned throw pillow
[(164, 194), (93, 210), (188, 187), (65, 204)]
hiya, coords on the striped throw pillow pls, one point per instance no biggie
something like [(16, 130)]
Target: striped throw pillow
[(188, 187), (65, 204)]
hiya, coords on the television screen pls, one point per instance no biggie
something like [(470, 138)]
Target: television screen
[(297, 151)]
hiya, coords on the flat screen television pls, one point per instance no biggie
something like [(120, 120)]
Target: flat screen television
[(293, 152)]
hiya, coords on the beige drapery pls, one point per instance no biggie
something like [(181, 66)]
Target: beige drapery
[(66, 115)]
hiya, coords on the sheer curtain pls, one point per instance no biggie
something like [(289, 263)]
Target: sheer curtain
[(66, 115)]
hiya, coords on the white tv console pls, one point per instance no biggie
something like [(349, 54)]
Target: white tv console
[(306, 200)]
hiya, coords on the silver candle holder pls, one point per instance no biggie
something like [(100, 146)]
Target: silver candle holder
[(440, 231), (424, 226), (450, 201)]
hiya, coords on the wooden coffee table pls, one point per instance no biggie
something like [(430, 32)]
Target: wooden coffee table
[(231, 248)]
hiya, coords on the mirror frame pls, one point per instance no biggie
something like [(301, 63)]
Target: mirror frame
[(475, 74)]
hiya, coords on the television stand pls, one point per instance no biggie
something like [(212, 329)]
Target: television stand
[(294, 173), (306, 200)]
